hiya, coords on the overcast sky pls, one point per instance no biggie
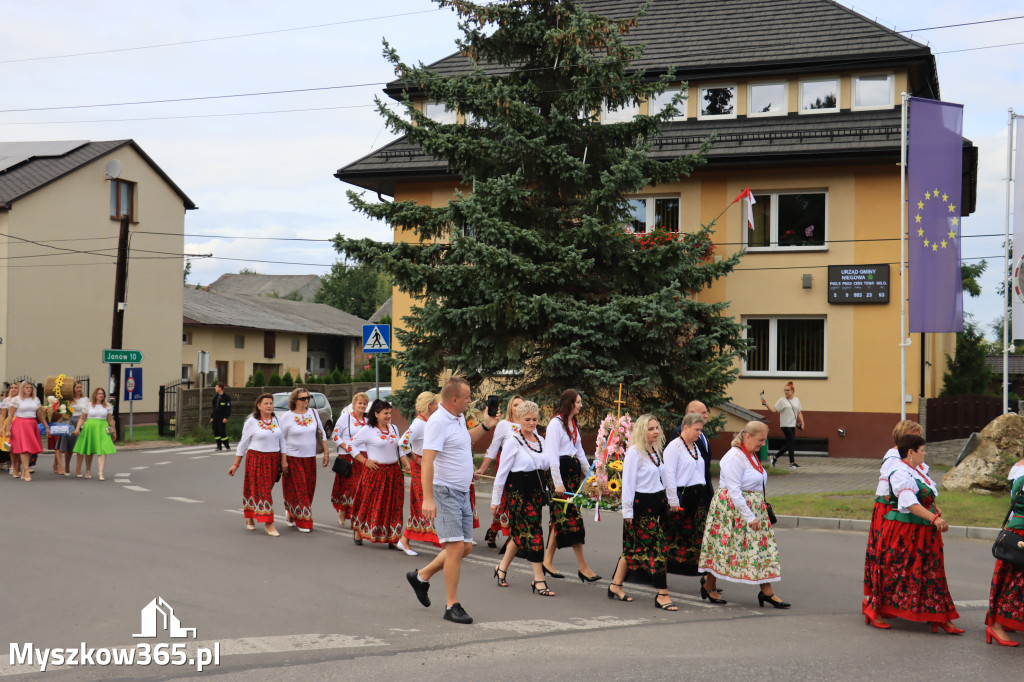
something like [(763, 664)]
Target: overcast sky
[(271, 174)]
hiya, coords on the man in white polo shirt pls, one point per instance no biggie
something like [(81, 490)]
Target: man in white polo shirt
[(447, 471)]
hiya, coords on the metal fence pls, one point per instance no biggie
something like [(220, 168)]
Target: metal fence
[(167, 406)]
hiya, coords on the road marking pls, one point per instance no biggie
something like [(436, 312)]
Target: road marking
[(532, 627), (139, 468), (136, 488), (160, 463), (972, 604), (199, 457), (184, 499), (183, 449)]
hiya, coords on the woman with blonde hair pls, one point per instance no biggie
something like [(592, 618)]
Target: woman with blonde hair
[(343, 494), (739, 544), (263, 448), (417, 527), (299, 427), (97, 436), (6, 461), (25, 411), (644, 555), (505, 429)]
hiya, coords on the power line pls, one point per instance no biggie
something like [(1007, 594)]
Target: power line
[(167, 118), (210, 40), (974, 49), (966, 23)]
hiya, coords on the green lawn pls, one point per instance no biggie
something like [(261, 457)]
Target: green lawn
[(140, 433), (958, 508)]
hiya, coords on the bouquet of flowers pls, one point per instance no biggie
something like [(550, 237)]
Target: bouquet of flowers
[(603, 489)]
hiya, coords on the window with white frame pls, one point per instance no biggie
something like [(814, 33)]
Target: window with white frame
[(785, 345), (873, 92), (295, 345), (717, 101), (819, 96), (186, 372), (623, 114), (789, 220), (766, 99), (657, 103), (649, 214), (439, 112)]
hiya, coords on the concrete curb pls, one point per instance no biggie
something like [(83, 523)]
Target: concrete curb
[(862, 525)]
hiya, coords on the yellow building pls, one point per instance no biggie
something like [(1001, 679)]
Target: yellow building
[(813, 128), (60, 210)]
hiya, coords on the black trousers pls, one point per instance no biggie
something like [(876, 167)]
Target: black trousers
[(220, 432), (790, 433)]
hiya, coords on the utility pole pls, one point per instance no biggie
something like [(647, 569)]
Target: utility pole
[(117, 328)]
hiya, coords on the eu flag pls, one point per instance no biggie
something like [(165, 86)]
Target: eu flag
[(935, 157)]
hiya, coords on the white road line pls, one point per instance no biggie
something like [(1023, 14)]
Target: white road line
[(182, 449), (139, 468), (529, 627), (972, 604), (199, 457), (160, 463), (184, 499), (136, 488)]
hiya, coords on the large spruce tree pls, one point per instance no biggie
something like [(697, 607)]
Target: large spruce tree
[(527, 277)]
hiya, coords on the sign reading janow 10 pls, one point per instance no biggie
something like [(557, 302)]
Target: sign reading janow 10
[(858, 283), (122, 357)]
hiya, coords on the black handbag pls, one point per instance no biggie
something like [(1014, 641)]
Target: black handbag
[(1009, 546), (342, 466), (544, 492), (768, 506)]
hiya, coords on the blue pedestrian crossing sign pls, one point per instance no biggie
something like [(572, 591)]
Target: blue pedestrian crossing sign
[(376, 338)]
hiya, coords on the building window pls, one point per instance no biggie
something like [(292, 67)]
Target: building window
[(789, 220), (790, 346), (657, 104), (873, 92), (767, 99), (819, 96), (222, 371), (186, 338), (717, 102), (323, 363), (295, 345), (646, 215), (239, 340), (186, 372), (439, 112), (623, 114), (270, 345), (122, 199)]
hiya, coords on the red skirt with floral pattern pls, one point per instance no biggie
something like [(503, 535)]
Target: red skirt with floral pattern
[(261, 471), (1006, 598), (377, 514), (874, 534), (417, 527), (298, 486), (343, 494)]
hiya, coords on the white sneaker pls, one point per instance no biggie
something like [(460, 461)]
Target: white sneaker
[(407, 550), (303, 530)]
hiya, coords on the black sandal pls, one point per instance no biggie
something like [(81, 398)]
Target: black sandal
[(612, 595), (664, 607), (490, 536), (501, 578), (542, 592)]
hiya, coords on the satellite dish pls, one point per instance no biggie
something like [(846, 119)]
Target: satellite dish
[(113, 169)]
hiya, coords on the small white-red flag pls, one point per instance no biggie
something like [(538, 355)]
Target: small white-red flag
[(748, 195)]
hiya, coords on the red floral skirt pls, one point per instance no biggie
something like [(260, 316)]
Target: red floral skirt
[(1006, 598), (684, 534), (909, 577), (417, 527), (874, 534), (343, 494), (501, 520), (526, 509), (298, 485), (377, 514), (261, 470), (566, 521), (25, 437), (644, 543)]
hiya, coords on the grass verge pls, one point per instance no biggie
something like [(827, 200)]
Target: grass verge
[(958, 508)]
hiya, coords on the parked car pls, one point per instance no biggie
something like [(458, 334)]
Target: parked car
[(385, 393), (318, 401)]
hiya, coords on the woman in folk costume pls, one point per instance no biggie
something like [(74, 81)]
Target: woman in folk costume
[(505, 429), (343, 494), (95, 431), (5, 428), (263, 448), (687, 487), (644, 555), (377, 514), (569, 465), (739, 543), (519, 484), (1006, 597), (890, 460), (909, 578), (66, 444), (299, 426), (25, 411), (411, 445)]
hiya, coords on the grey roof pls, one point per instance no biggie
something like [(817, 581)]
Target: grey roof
[(33, 172), (719, 38), (383, 311), (271, 314), (13, 153), (1015, 363), (268, 285)]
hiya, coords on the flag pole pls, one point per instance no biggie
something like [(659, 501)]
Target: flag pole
[(904, 341), (1007, 284)]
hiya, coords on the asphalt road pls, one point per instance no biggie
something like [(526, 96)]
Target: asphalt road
[(82, 558)]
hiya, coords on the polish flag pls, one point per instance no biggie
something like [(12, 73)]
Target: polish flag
[(750, 206)]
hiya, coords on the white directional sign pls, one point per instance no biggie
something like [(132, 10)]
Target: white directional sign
[(376, 338)]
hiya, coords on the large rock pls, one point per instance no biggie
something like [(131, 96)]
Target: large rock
[(984, 470)]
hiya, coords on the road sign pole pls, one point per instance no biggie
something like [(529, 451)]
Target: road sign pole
[(131, 418), (376, 369)]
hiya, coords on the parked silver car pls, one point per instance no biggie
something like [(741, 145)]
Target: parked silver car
[(318, 401), (385, 393)]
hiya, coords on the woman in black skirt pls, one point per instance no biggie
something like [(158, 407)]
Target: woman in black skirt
[(644, 555), (687, 488), (520, 477)]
